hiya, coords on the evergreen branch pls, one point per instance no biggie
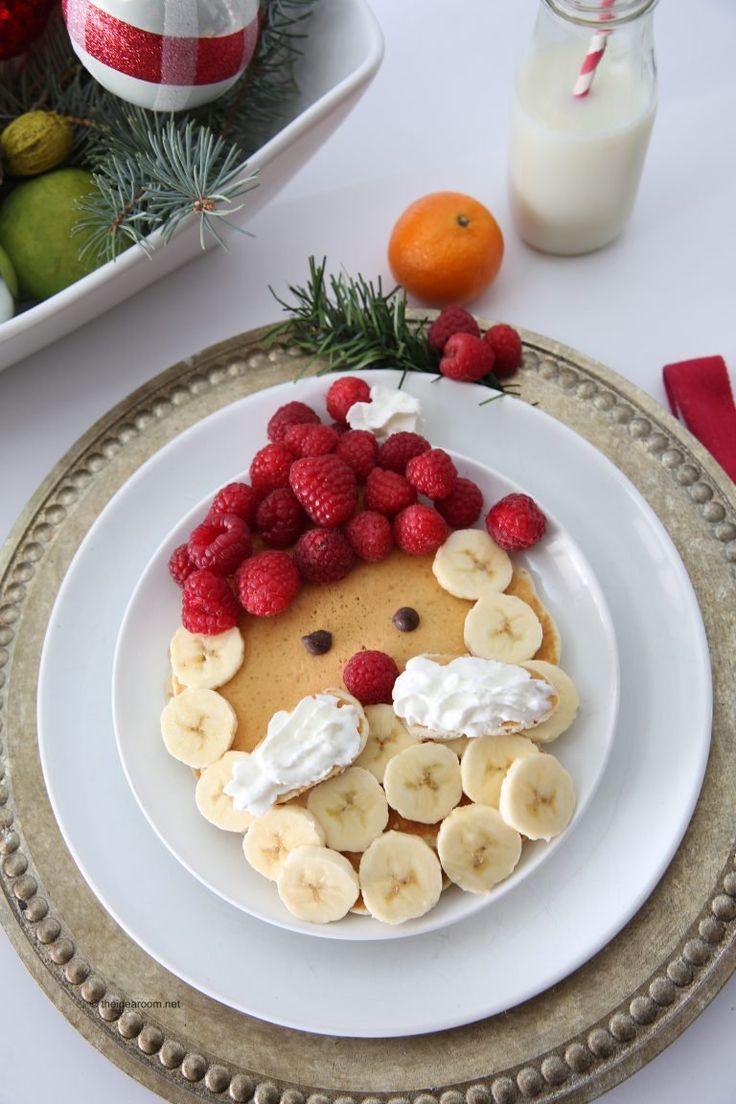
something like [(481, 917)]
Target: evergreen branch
[(351, 323)]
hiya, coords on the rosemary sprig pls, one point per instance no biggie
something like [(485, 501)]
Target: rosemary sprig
[(352, 323)]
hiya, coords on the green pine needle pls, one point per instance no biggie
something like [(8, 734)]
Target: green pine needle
[(352, 323)]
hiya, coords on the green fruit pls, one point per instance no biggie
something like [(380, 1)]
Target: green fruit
[(36, 142), (36, 221), (7, 273)]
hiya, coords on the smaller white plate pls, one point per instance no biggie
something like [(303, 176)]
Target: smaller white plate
[(164, 788)]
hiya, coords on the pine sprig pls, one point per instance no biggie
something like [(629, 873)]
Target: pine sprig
[(352, 323)]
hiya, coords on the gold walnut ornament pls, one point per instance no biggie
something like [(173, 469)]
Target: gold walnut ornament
[(36, 142)]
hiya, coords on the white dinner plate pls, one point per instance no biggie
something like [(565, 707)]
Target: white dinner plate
[(164, 787), (554, 921)]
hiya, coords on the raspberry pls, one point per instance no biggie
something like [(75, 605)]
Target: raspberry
[(270, 468), (516, 522), (433, 474), (326, 488), (388, 492), (343, 393), (369, 535), (323, 556), (267, 583), (220, 543), (370, 677), (310, 440), (293, 413), (450, 321), (359, 449), (420, 530), (280, 518), (462, 507), (467, 358), (506, 345), (398, 449), (236, 498), (208, 605), (180, 565)]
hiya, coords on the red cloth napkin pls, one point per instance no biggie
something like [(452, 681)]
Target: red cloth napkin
[(699, 393)]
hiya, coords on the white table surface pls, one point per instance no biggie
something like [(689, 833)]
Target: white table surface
[(434, 118)]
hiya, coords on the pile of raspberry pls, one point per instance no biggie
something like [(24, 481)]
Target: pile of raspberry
[(320, 497), (469, 356)]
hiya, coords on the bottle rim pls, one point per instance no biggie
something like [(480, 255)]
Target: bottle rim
[(592, 13)]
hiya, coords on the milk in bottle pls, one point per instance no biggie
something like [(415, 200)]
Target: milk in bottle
[(575, 162)]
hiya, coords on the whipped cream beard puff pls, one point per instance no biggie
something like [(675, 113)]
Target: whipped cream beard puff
[(364, 684)]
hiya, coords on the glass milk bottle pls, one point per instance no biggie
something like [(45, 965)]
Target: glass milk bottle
[(584, 105)]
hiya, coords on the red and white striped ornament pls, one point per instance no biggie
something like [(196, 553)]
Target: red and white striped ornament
[(167, 55)]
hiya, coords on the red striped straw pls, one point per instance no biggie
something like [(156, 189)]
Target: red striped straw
[(592, 59)]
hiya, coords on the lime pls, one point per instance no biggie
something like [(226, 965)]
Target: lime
[(36, 221), (7, 273)]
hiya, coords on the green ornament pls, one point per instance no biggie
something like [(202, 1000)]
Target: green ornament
[(36, 221), (36, 142)]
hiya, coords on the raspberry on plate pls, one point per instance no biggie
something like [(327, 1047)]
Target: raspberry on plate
[(267, 583), (516, 523), (280, 519), (398, 449), (369, 535), (506, 345), (292, 413), (370, 676), (462, 508), (326, 488), (323, 556), (208, 605), (270, 468), (310, 440), (220, 543), (343, 393), (420, 530), (467, 358), (237, 498), (181, 565), (359, 449), (433, 473), (388, 492), (450, 321)]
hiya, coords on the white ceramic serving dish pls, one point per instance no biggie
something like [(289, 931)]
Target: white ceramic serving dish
[(341, 55)]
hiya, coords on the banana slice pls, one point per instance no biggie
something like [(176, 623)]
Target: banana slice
[(537, 797), (400, 877), (522, 586), (215, 805), (567, 705), (459, 745), (502, 627), (484, 765), (198, 726), (476, 848), (423, 783), (318, 885), (470, 563), (271, 838), (350, 808), (387, 737), (206, 662)]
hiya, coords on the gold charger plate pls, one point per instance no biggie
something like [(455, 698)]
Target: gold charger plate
[(571, 1043)]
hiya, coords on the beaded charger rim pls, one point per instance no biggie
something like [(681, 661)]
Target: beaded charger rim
[(569, 1043)]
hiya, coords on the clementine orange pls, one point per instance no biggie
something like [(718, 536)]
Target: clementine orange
[(445, 248)]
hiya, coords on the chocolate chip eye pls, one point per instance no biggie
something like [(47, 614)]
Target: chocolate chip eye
[(406, 619), (317, 643)]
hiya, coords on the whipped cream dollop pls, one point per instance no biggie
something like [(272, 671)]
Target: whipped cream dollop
[(470, 696), (301, 747), (390, 410)]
